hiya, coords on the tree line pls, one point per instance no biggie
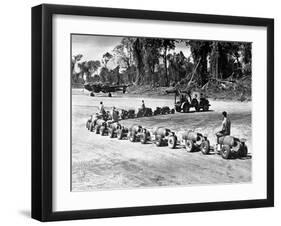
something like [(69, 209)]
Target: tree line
[(153, 61)]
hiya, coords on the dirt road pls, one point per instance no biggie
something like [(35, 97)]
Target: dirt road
[(103, 163)]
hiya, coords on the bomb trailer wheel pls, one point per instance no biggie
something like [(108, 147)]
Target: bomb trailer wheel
[(110, 132), (186, 108), (120, 134), (189, 145), (170, 141), (194, 141), (97, 129), (226, 151), (238, 150), (158, 141), (132, 137), (102, 130), (88, 123), (205, 147), (143, 137)]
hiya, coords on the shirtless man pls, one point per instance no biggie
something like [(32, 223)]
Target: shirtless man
[(226, 124)]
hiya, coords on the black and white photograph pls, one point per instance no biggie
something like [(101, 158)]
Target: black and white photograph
[(158, 112), (140, 113)]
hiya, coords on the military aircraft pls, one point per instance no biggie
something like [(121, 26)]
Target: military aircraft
[(99, 87)]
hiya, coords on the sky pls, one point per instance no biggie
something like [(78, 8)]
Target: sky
[(92, 47)]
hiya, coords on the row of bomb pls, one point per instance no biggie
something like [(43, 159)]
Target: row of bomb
[(232, 147)]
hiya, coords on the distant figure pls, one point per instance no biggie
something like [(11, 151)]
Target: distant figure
[(142, 104), (101, 108), (189, 96), (201, 96), (115, 115), (226, 124)]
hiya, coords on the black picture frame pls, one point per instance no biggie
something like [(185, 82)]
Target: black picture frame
[(42, 111)]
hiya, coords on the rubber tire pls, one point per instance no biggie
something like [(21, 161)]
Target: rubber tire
[(189, 146), (244, 151), (226, 152), (102, 130), (111, 133), (200, 141), (97, 129), (120, 134), (206, 108), (177, 108), (91, 128), (186, 108), (132, 137), (143, 138), (205, 147), (158, 141), (172, 142)]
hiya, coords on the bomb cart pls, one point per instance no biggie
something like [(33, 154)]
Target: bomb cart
[(163, 111), (194, 141), (144, 112), (112, 128), (96, 125), (164, 137), (138, 133), (125, 114), (185, 100), (232, 147)]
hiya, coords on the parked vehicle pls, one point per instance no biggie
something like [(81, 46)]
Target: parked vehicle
[(188, 101)]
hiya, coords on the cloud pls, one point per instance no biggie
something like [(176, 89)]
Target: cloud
[(92, 47)]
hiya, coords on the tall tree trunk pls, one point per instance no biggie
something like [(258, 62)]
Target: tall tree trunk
[(214, 60), (166, 69), (138, 60), (118, 76)]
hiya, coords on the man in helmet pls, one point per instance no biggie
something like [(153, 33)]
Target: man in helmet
[(226, 124)]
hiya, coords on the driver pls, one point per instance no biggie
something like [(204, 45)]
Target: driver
[(115, 115), (101, 108), (142, 104), (226, 124)]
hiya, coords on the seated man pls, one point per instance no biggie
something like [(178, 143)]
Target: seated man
[(101, 108), (142, 105), (102, 112), (226, 124), (115, 115)]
